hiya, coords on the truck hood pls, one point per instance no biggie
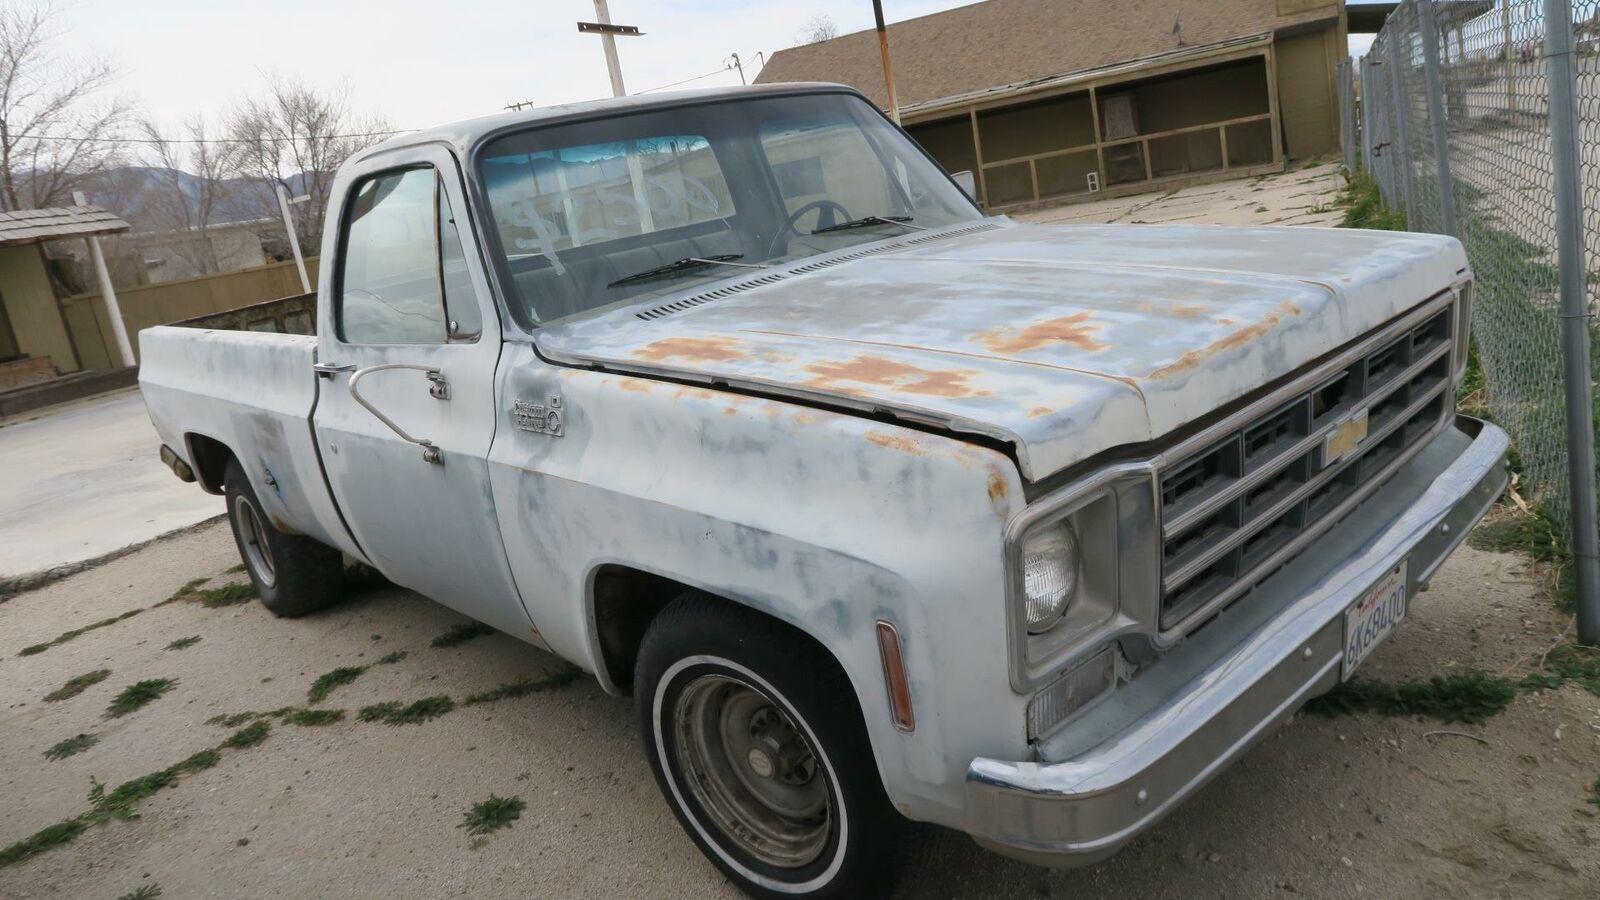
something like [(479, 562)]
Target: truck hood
[(1061, 340)]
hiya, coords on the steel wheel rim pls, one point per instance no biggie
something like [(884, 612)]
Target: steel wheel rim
[(752, 771), (253, 541)]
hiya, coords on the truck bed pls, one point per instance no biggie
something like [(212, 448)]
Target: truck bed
[(251, 391)]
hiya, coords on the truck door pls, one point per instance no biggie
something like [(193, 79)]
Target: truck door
[(408, 344)]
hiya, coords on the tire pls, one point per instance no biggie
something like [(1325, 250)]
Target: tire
[(716, 685), (293, 575)]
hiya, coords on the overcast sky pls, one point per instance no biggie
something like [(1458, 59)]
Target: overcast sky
[(423, 63)]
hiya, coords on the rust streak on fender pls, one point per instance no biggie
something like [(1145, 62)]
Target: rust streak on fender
[(1039, 412), (711, 349), (1074, 330), (1229, 341), (896, 375)]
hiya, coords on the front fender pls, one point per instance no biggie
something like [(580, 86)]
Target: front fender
[(826, 521)]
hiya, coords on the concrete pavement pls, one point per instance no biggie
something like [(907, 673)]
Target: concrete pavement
[(80, 481)]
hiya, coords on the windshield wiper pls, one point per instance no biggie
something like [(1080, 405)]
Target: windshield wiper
[(864, 221), (685, 265)]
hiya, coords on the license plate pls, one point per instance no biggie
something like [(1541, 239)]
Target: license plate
[(1374, 617), (1344, 439)]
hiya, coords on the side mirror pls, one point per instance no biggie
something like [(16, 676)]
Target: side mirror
[(968, 183)]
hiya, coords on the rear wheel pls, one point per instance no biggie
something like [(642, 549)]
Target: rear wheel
[(758, 745), (293, 575)]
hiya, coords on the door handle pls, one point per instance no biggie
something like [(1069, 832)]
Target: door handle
[(327, 369), (437, 388)]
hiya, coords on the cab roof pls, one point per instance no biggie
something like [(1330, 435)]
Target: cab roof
[(465, 135)]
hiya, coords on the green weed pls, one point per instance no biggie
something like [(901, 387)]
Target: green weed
[(143, 892), (326, 682), (228, 595), (184, 643), (526, 686), (1469, 697), (47, 838), (70, 746), (139, 694), (248, 736), (413, 714), (1364, 207), (492, 814), (462, 633), (311, 718), (65, 636), (77, 684), (389, 659), (183, 593)]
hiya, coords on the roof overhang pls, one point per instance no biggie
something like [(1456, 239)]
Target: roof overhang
[(1181, 58), (32, 226)]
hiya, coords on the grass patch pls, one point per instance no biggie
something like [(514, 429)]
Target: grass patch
[(47, 838), (139, 694), (65, 636), (392, 713), (1364, 206), (524, 687), (77, 684), (1469, 697), (1568, 662), (311, 718), (248, 736), (1594, 792), (492, 814), (462, 633), (1539, 537), (227, 595), (184, 643), (199, 762), (143, 892), (326, 682), (389, 659), (185, 592), (71, 746)]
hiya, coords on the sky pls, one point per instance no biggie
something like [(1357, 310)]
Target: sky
[(417, 64)]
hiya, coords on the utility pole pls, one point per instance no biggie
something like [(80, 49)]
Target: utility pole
[(108, 294), (888, 72), (739, 68), (608, 42), (294, 239)]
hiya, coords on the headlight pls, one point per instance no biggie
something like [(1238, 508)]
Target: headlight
[(1049, 575)]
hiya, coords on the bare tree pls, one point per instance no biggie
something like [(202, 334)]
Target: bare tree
[(819, 28), (299, 136), (55, 132), (193, 175)]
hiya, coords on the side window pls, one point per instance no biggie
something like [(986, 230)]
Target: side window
[(402, 264)]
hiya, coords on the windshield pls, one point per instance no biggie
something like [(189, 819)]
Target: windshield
[(593, 213)]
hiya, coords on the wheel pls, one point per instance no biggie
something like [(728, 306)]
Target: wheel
[(293, 575), (757, 743)]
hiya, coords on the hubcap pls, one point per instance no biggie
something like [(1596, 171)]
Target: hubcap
[(253, 541), (752, 771)]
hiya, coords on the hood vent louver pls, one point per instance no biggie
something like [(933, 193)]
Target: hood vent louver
[(677, 306)]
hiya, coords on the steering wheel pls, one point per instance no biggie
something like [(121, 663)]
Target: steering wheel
[(825, 216)]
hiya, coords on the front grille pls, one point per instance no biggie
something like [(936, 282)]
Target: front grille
[(1240, 507)]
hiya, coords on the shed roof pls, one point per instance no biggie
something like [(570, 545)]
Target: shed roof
[(1002, 42), (30, 226)]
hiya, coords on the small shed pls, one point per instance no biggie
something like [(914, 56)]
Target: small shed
[(31, 321)]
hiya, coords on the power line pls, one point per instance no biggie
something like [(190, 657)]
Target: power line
[(155, 141), (662, 87)]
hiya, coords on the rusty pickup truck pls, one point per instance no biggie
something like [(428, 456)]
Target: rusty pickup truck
[(880, 508)]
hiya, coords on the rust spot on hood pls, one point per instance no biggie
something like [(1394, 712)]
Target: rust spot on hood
[(711, 349), (895, 375), (895, 442), (1039, 412), (1175, 310), (1074, 331), (1229, 341), (997, 487)]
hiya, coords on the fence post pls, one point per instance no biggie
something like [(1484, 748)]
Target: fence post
[(1575, 314), (1402, 135), (1367, 88), (1441, 136)]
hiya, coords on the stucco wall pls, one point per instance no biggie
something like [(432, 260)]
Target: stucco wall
[(31, 307)]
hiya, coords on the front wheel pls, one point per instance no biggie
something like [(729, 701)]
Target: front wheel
[(758, 745), (293, 575)]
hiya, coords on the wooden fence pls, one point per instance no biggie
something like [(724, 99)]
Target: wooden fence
[(173, 301)]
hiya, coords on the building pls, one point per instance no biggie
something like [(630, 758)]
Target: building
[(1053, 99), (34, 338)]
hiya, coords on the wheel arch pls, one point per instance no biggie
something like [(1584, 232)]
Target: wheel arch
[(209, 458)]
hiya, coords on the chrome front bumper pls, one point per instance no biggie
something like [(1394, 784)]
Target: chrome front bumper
[(1133, 757)]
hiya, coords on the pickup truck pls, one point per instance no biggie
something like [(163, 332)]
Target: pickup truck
[(882, 509)]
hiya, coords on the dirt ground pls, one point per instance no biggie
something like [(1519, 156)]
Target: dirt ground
[(1363, 806), (1347, 807)]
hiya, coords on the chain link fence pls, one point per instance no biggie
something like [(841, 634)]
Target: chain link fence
[(1457, 126)]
